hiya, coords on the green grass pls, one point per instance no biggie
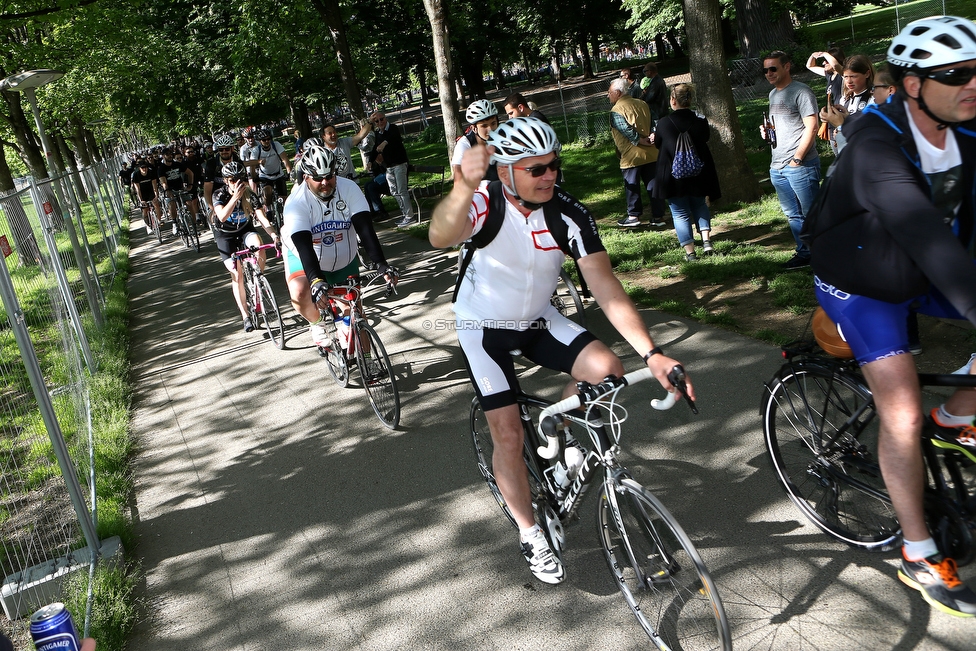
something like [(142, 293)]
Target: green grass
[(870, 28)]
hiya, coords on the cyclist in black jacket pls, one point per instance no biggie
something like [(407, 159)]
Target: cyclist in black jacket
[(895, 233)]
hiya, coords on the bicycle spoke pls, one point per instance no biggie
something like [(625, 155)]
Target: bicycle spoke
[(377, 375), (270, 313)]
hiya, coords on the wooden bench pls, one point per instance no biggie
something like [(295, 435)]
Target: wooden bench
[(432, 190)]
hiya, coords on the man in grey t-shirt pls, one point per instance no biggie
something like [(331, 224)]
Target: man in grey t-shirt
[(795, 166)]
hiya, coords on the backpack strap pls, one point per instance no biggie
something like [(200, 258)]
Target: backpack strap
[(496, 217)]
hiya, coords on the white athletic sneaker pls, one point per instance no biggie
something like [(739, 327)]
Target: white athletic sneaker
[(965, 369), (319, 337), (544, 564)]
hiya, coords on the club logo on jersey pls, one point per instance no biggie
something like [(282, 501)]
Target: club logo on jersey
[(544, 240)]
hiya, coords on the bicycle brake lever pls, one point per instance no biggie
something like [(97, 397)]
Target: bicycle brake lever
[(676, 376)]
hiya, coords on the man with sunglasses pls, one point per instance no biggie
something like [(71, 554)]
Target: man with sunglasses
[(503, 297), (325, 219), (391, 154), (894, 233), (794, 169)]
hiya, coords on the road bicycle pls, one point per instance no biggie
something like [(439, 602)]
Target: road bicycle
[(821, 432), (185, 224), (275, 209), (258, 295), (653, 561), (351, 340), (154, 223)]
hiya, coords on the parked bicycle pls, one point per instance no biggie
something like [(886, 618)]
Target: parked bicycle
[(154, 223), (185, 224), (821, 432), (258, 295), (354, 341), (652, 560)]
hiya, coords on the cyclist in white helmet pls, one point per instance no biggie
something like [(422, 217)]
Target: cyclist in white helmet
[(894, 234), (483, 118), (325, 219), (503, 298)]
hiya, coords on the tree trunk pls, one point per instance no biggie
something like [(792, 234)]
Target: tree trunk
[(77, 136), (29, 149), (499, 72), (707, 61), (299, 117), (675, 45), (332, 15), (94, 147), (585, 56), (595, 52), (759, 32), (437, 14), (660, 48), (557, 66), (424, 88)]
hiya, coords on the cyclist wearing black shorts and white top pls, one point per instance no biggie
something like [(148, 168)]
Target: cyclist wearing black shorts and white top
[(325, 218), (273, 165), (235, 209), (503, 301), (894, 234)]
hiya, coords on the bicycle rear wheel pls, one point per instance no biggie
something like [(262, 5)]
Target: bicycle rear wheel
[(157, 226), (821, 432), (659, 571), (377, 375), (484, 449), (567, 300), (271, 314), (184, 227)]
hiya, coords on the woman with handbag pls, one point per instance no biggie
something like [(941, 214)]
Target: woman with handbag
[(686, 173)]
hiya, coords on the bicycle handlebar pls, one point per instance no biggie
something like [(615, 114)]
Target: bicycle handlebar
[(590, 392), (251, 250)]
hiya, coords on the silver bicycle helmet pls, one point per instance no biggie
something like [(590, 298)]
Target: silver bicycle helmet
[(933, 42), (233, 170), (224, 141), (314, 141), (480, 110), (318, 161), (261, 134), (520, 138)]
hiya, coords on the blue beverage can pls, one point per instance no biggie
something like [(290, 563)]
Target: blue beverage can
[(53, 629)]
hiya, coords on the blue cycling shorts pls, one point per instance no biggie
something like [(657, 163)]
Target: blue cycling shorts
[(877, 329)]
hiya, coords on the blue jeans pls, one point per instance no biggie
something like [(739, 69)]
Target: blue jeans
[(378, 186), (796, 188), (686, 209)]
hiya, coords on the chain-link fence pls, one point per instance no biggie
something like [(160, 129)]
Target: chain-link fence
[(59, 242)]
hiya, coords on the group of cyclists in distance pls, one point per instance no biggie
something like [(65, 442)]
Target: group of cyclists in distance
[(893, 233)]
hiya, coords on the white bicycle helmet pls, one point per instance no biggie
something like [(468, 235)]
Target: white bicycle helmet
[(224, 141), (318, 161), (233, 170), (480, 110), (520, 138), (933, 42)]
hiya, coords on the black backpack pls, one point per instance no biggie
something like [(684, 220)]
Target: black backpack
[(496, 217)]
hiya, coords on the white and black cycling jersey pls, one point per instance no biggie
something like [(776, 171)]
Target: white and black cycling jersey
[(512, 278), (271, 167), (333, 237)]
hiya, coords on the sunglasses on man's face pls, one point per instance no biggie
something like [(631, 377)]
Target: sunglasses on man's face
[(320, 179), (953, 76), (538, 170), (225, 149), (770, 69)]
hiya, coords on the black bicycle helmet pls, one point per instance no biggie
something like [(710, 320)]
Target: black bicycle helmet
[(233, 170)]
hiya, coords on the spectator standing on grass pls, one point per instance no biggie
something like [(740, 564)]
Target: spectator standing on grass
[(630, 122), (633, 88), (342, 147), (858, 88), (831, 70), (390, 152), (654, 91), (686, 196), (794, 169)]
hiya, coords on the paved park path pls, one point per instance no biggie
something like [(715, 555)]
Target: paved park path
[(273, 512)]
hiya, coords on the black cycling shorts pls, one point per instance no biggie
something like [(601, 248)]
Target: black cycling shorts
[(551, 341), (230, 243)]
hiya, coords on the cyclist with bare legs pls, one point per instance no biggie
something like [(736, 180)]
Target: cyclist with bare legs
[(893, 234), (503, 299)]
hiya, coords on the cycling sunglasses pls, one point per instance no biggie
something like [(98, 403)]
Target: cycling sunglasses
[(319, 179), (952, 76), (538, 170)]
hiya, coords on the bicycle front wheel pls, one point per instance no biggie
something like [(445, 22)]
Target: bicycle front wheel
[(271, 314), (377, 375), (659, 571), (567, 300), (157, 226), (822, 436), (250, 300)]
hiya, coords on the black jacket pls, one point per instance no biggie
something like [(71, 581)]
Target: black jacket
[(666, 138), (877, 233)]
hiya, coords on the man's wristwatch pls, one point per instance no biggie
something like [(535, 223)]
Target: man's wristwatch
[(798, 161)]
